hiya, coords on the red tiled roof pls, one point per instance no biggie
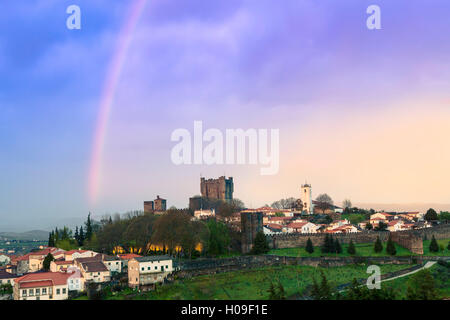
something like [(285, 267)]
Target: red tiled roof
[(56, 278), (274, 226), (36, 284), (62, 262), (296, 225), (128, 256)]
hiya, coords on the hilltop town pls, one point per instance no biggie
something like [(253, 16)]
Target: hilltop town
[(144, 250)]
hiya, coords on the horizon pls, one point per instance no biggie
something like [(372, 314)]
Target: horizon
[(86, 116)]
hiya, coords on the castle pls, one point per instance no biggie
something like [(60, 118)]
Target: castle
[(217, 189)]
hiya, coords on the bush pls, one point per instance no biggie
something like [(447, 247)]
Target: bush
[(309, 246), (260, 245), (378, 247), (351, 248), (390, 247), (434, 245)]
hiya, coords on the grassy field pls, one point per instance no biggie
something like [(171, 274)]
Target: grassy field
[(354, 218), (363, 250), (250, 284), (440, 273)]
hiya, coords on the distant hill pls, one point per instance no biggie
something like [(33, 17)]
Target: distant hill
[(392, 207), (29, 235)]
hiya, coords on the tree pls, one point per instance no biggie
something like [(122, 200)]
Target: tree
[(277, 293), (322, 291), (281, 292), (337, 247), (88, 227), (51, 239), (218, 239), (260, 245), (324, 202), (77, 235), (329, 245), (431, 215), (381, 226), (309, 246), (351, 248), (369, 226), (81, 237), (434, 247), (347, 204), (46, 264), (448, 246), (422, 286), (378, 247), (390, 247)]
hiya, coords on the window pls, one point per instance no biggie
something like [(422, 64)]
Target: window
[(58, 291), (142, 268), (156, 267), (31, 292), (44, 291), (38, 292), (64, 290), (167, 267), (24, 293), (148, 268), (98, 273)]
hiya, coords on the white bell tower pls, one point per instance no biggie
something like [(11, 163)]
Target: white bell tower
[(305, 196)]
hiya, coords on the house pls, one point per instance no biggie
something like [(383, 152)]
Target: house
[(113, 263), (378, 217), (331, 208), (42, 286), (144, 271), (60, 265), (395, 225), (7, 278), (127, 257), (4, 259), (279, 220), (272, 228), (204, 214), (301, 227), (75, 254), (94, 271)]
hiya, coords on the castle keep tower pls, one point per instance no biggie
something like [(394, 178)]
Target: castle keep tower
[(251, 224), (217, 189), (306, 198)]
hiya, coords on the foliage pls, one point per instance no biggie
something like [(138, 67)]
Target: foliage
[(276, 292), (260, 245), (381, 226), (47, 260), (378, 246), (219, 238), (434, 245), (324, 202), (309, 246), (287, 203), (390, 247), (422, 286), (351, 248), (369, 226), (337, 246), (322, 291), (444, 216), (431, 215), (361, 292)]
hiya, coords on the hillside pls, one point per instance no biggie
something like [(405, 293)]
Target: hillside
[(29, 235)]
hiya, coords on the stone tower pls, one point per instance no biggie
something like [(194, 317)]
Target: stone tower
[(251, 224), (217, 189), (306, 197)]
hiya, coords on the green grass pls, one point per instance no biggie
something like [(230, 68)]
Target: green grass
[(354, 218), (362, 250), (251, 284), (440, 274)]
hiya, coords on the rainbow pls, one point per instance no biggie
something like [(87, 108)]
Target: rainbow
[(108, 93)]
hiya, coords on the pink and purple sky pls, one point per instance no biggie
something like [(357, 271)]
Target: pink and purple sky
[(86, 115)]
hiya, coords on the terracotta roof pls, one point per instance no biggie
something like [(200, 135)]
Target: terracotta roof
[(56, 278), (128, 256), (296, 225), (274, 226), (73, 251), (62, 262), (94, 266)]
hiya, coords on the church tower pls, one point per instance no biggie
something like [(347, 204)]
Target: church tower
[(305, 196)]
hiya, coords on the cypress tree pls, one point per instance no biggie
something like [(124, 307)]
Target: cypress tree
[(309, 246), (260, 245), (378, 247), (390, 247), (326, 244), (337, 247), (331, 245), (81, 236), (351, 248), (434, 245)]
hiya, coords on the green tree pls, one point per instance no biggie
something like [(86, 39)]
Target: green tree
[(434, 247), (309, 246), (88, 227), (81, 237), (51, 239), (448, 246), (46, 264), (260, 245), (337, 247), (322, 291), (381, 226), (281, 291), (351, 248), (390, 247), (422, 286), (378, 247), (369, 226), (431, 215)]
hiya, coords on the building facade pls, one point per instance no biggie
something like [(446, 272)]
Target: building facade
[(145, 271), (217, 189), (306, 198)]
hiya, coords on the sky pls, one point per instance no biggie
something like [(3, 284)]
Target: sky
[(86, 115)]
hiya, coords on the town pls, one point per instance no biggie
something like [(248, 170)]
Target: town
[(147, 250)]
